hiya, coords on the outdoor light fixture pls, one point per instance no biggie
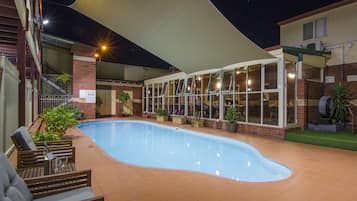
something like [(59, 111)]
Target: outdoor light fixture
[(104, 47), (291, 75), (96, 55), (199, 78), (249, 82), (188, 88), (45, 22)]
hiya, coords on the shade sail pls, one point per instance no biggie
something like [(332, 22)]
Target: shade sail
[(191, 35)]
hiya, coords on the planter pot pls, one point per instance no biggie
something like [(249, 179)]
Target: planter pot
[(232, 127), (178, 120), (197, 123), (162, 118)]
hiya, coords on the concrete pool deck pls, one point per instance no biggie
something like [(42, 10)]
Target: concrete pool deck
[(318, 173)]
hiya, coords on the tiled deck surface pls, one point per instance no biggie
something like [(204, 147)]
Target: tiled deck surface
[(319, 173)]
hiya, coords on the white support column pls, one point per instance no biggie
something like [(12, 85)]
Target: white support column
[(221, 98), (282, 95), (186, 97), (262, 81), (299, 70)]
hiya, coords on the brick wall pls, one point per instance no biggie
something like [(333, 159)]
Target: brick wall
[(84, 77), (340, 72)]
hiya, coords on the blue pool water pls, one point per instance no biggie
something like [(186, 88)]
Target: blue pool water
[(153, 145)]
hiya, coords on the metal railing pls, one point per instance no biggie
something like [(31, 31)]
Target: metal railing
[(51, 101)]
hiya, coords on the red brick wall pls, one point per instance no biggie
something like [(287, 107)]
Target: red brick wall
[(337, 71), (84, 77), (247, 128), (301, 110)]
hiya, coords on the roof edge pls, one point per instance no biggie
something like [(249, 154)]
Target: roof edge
[(317, 11)]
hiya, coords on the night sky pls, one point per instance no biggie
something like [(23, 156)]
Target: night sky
[(257, 19)]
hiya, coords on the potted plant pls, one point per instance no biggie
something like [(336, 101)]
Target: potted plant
[(161, 115), (197, 122), (340, 97), (231, 117), (123, 98), (64, 79)]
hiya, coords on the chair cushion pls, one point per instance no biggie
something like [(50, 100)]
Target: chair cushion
[(12, 187), (73, 195), (23, 138)]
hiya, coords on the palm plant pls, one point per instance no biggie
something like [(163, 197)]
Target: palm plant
[(340, 96)]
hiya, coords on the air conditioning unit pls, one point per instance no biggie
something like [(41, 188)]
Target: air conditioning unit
[(317, 45)]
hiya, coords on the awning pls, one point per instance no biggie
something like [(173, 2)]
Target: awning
[(191, 35)]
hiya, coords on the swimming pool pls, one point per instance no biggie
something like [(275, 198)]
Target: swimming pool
[(153, 145)]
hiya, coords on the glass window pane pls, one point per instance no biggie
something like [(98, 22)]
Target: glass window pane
[(270, 76), (189, 86), (227, 81), (254, 78), (321, 27), (149, 92), (181, 110), (270, 108), (215, 82), (190, 104), (254, 110), (198, 84), (228, 102), (205, 112), (150, 104), (308, 29), (145, 101), (171, 105), (205, 82), (155, 104), (198, 100), (160, 89), (240, 80), (215, 106), (241, 106)]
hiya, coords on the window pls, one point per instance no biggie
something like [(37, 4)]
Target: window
[(308, 31), (270, 76), (320, 27), (227, 81), (315, 29), (254, 109), (163, 89), (240, 81), (254, 78), (190, 86), (270, 108)]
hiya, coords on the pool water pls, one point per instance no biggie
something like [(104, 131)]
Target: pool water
[(157, 146)]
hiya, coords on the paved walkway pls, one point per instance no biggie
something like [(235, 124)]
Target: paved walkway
[(319, 173)]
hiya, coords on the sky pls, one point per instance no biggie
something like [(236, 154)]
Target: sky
[(256, 19)]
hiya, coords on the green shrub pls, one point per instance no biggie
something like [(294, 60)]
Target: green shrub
[(340, 97), (161, 112), (45, 136), (64, 78), (76, 111), (123, 97), (58, 120), (231, 115)]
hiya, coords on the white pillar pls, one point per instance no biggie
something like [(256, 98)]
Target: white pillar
[(282, 95)]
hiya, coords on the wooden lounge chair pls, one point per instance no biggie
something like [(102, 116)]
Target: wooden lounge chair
[(30, 154), (73, 186)]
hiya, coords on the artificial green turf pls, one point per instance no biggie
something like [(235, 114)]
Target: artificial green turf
[(342, 140)]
